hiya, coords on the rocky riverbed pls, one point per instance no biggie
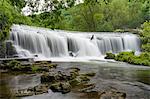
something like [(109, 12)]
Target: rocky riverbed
[(80, 81)]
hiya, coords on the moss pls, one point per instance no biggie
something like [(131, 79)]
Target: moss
[(129, 57), (84, 78), (110, 56), (14, 64), (74, 82), (89, 74), (119, 30), (35, 68)]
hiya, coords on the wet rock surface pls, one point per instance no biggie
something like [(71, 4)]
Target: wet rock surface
[(62, 80), (7, 49), (86, 82), (69, 80)]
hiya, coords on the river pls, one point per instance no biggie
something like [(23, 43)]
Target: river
[(130, 79)]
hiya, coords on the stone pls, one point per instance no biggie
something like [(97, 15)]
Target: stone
[(87, 87), (48, 77), (2, 50), (55, 87), (63, 87), (112, 95), (89, 74), (75, 68), (10, 49), (84, 78), (75, 82)]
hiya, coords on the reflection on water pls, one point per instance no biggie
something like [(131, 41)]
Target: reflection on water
[(5, 92), (24, 81), (130, 79), (143, 76), (115, 71), (125, 74), (51, 95)]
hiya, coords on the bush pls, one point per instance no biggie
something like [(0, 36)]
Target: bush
[(110, 56), (14, 64), (129, 57), (145, 37), (146, 47), (124, 56)]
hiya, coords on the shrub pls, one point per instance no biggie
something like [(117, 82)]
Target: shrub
[(110, 56), (129, 57), (14, 64), (146, 47)]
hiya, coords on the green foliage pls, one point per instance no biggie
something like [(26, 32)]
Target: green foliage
[(146, 47), (9, 15), (2, 49), (124, 56), (105, 15), (35, 68), (52, 9), (146, 10), (145, 36), (142, 59), (110, 56), (135, 13), (19, 4), (92, 15), (5, 20), (14, 64)]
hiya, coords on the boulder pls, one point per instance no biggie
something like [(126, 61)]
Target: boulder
[(84, 78), (75, 82), (89, 74), (2, 50), (48, 77), (112, 95), (10, 49), (63, 87)]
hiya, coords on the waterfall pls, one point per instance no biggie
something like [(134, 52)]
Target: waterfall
[(55, 43)]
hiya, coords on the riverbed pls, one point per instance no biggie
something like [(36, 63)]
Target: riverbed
[(130, 79)]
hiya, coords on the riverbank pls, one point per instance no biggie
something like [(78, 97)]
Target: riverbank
[(131, 58)]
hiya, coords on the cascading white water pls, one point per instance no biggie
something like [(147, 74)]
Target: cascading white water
[(49, 43)]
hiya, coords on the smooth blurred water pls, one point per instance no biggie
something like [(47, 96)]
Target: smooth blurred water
[(130, 79), (53, 43)]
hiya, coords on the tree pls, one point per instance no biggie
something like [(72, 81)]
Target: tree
[(19, 4), (146, 10), (50, 10)]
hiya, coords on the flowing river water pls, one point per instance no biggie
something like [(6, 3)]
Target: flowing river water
[(130, 79), (88, 50)]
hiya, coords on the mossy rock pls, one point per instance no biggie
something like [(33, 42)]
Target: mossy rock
[(84, 78), (12, 64), (75, 82), (119, 30), (89, 74), (22, 68), (48, 78), (52, 65), (63, 87), (109, 56)]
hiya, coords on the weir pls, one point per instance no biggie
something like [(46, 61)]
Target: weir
[(56, 43)]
